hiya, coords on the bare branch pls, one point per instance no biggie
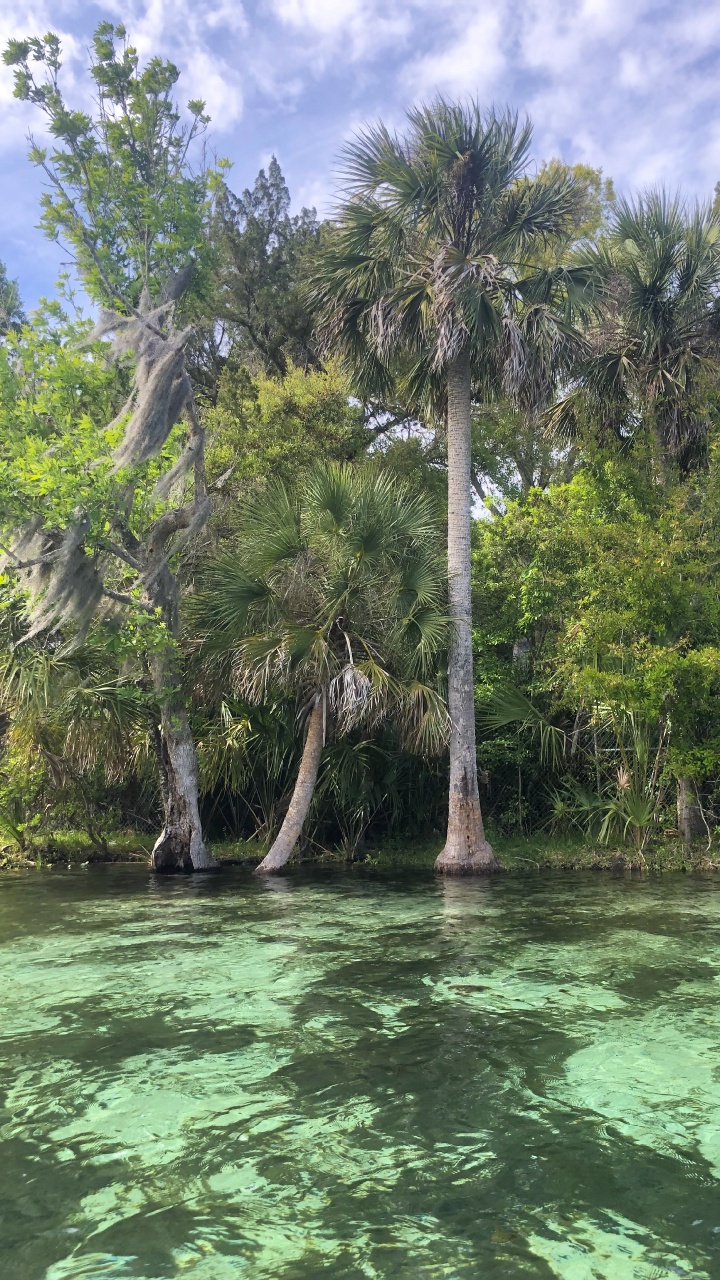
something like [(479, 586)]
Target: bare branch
[(30, 564), (121, 598), (125, 556)]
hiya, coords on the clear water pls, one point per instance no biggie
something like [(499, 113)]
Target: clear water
[(351, 1077)]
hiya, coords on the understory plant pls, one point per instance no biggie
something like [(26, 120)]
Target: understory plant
[(610, 767)]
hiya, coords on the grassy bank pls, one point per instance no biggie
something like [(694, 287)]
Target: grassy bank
[(73, 848), (518, 854), (535, 854)]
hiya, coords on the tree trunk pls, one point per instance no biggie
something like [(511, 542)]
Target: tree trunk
[(466, 849), (180, 845), (690, 818), (290, 831)]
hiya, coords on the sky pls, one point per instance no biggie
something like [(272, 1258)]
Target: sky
[(631, 86)]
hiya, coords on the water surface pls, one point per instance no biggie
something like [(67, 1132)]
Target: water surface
[(357, 1077)]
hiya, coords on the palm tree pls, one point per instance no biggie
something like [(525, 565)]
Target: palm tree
[(334, 592), (422, 281), (653, 349), (654, 341)]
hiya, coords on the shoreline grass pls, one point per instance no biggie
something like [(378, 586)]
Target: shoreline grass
[(517, 854), (538, 853)]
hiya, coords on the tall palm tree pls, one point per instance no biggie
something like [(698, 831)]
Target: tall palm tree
[(424, 276), (334, 593), (654, 341)]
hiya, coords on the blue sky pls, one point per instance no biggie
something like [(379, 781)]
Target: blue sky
[(629, 85)]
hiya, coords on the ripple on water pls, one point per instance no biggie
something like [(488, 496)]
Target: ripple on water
[(358, 1078)]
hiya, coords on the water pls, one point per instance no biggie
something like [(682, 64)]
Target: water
[(352, 1077)]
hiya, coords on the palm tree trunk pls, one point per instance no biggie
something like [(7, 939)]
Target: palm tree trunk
[(290, 831), (466, 849)]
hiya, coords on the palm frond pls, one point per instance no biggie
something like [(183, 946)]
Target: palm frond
[(509, 706), (358, 611), (436, 226)]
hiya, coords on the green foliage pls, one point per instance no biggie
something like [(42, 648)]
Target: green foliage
[(513, 454), (596, 200), (602, 561), (599, 596), (653, 347), (358, 778), (76, 739), (56, 398), (123, 196), (263, 254), (264, 426), (85, 502), (420, 463), (247, 755), (11, 309), (120, 191), (596, 612), (334, 585), (57, 394)]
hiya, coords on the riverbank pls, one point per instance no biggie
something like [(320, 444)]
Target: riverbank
[(534, 854), (517, 854)]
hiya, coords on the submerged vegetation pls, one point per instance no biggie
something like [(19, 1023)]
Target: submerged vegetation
[(349, 517)]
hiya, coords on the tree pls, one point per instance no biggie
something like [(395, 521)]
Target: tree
[(653, 347), (263, 253), (591, 216), (11, 308), (262, 426), (423, 276), (512, 453), (75, 741), (650, 366), (611, 581), (334, 593), (122, 196)]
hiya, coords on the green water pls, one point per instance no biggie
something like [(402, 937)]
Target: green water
[(351, 1077)]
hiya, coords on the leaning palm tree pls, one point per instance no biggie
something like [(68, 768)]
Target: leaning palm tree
[(334, 593), (418, 293), (653, 346)]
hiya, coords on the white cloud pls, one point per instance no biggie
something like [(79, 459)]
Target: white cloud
[(472, 62), (313, 195), (633, 72), (621, 83), (186, 32), (18, 21), (354, 29)]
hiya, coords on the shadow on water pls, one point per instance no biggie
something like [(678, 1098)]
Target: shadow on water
[(357, 1075)]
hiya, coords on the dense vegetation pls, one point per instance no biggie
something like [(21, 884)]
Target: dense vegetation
[(243, 597)]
